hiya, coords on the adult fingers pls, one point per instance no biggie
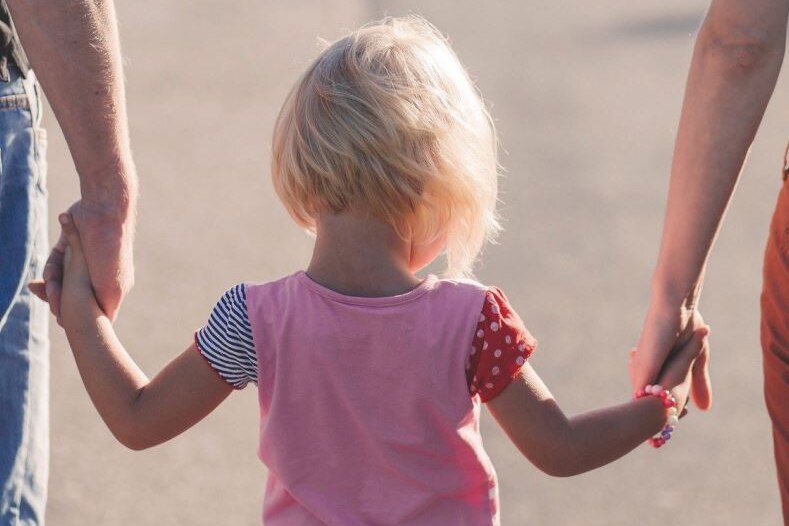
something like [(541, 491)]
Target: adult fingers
[(701, 386)]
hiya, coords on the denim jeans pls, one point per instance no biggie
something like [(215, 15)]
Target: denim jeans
[(24, 344)]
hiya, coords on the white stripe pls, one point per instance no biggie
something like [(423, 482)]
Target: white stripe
[(226, 340)]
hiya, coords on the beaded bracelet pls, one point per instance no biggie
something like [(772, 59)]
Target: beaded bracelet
[(670, 403)]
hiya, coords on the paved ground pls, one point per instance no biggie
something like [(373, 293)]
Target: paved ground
[(586, 96)]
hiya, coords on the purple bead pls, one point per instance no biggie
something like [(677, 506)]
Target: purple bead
[(669, 429), (666, 436)]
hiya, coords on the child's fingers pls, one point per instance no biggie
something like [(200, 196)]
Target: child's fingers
[(53, 275), (76, 268), (70, 231), (38, 288), (698, 341), (679, 364)]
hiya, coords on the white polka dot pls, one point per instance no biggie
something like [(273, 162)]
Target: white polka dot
[(484, 346), (481, 317), (508, 339), (494, 326), (489, 385), (494, 308), (521, 348), (497, 353), (492, 492), (480, 333), (473, 350), (519, 360), (495, 371)]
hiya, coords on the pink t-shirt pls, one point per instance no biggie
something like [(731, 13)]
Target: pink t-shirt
[(370, 406)]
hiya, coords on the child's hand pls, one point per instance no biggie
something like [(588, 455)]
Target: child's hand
[(77, 296), (676, 373)]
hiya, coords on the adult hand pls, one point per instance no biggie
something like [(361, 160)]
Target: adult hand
[(107, 238), (664, 332), (676, 375)]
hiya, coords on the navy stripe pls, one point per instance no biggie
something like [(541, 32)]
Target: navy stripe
[(226, 340)]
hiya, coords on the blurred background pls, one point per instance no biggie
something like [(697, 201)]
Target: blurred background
[(586, 96)]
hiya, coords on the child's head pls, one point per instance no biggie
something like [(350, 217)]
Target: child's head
[(386, 119)]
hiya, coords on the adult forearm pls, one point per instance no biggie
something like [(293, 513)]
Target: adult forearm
[(732, 76), (74, 48)]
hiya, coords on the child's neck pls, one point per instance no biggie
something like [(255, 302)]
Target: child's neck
[(358, 255)]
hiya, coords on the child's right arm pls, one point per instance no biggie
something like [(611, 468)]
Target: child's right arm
[(140, 413), (562, 446)]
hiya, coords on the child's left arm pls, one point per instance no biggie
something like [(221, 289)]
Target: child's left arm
[(140, 413), (563, 446)]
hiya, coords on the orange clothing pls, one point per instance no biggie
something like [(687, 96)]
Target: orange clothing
[(775, 335)]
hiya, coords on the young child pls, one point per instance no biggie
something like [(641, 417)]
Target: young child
[(370, 379)]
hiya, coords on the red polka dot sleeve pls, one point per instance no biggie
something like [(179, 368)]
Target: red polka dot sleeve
[(501, 346)]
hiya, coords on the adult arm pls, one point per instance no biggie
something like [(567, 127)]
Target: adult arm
[(733, 72), (74, 49)]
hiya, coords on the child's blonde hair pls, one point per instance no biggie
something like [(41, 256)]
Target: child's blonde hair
[(387, 118)]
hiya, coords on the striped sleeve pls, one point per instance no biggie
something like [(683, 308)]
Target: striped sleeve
[(226, 339)]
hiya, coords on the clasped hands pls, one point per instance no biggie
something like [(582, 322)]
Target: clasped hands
[(107, 236), (666, 331)]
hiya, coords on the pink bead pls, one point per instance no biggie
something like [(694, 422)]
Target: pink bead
[(641, 393), (664, 394), (668, 402)]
